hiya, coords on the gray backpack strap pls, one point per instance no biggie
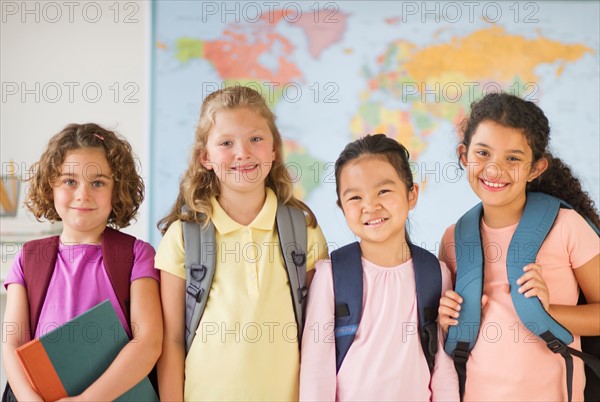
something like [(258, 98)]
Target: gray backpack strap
[(200, 260), (291, 228)]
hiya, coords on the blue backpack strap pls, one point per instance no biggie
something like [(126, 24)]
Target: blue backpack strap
[(347, 273), (469, 284), (428, 278), (537, 220), (535, 224)]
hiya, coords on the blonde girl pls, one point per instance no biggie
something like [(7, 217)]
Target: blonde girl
[(245, 347)]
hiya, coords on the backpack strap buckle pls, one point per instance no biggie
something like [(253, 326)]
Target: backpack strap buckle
[(302, 293), (461, 353), (430, 331), (195, 292), (298, 258), (557, 346), (197, 274)]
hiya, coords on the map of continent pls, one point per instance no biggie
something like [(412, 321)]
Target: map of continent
[(334, 72)]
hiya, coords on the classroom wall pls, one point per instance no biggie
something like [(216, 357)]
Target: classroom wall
[(63, 62), (74, 62)]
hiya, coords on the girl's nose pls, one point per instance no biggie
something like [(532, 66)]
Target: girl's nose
[(83, 192), (242, 151), (493, 170), (371, 206)]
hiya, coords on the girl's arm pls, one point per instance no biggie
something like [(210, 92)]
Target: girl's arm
[(318, 377), (444, 380), (583, 319), (15, 330), (137, 358), (171, 364)]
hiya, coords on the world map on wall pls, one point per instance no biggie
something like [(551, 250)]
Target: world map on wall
[(335, 71)]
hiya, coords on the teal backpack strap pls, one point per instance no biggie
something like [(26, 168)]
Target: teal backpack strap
[(291, 229), (537, 220), (469, 284), (535, 224), (200, 260)]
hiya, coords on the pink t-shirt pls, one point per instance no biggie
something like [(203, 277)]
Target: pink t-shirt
[(80, 282), (508, 362), (386, 361)]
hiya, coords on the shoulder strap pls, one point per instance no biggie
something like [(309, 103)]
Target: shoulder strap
[(469, 284), (118, 257), (535, 224), (428, 279), (39, 259), (347, 270), (292, 232), (200, 262)]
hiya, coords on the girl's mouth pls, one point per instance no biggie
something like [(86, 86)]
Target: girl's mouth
[(245, 169), (374, 222), (493, 185)]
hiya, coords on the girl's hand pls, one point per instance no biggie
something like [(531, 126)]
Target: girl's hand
[(532, 284), (449, 310)]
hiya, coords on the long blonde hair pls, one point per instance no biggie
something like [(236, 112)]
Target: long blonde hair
[(199, 184)]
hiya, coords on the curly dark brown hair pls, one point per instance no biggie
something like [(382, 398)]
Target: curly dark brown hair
[(128, 192), (511, 111)]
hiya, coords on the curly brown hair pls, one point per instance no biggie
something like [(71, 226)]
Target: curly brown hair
[(511, 111), (128, 192), (199, 184)]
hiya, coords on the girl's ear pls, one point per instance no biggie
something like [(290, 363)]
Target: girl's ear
[(462, 154), (413, 196), (339, 204), (537, 168), (205, 161)]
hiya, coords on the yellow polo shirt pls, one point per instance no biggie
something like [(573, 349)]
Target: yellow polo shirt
[(245, 346)]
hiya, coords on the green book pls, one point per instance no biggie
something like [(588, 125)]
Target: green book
[(68, 359)]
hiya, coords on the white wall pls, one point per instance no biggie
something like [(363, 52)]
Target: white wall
[(74, 70), (54, 57)]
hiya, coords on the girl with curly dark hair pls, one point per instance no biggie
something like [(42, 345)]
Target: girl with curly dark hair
[(505, 152), (86, 178)]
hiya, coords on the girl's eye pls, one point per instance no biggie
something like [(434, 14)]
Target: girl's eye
[(384, 191), (482, 153), (513, 159), (226, 143), (97, 183), (356, 197), (256, 139), (70, 182)]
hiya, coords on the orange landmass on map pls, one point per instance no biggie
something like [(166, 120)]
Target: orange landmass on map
[(477, 56)]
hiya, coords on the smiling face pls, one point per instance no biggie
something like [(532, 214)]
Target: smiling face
[(499, 162), (83, 195), (239, 150), (375, 201)]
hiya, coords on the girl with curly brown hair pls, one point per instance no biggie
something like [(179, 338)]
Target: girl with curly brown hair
[(505, 151), (87, 179)]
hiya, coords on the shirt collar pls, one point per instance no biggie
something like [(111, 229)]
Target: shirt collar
[(263, 221)]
